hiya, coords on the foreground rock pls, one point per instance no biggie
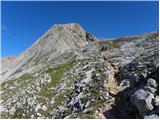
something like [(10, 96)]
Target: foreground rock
[(142, 100)]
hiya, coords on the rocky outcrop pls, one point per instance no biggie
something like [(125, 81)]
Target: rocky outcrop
[(138, 81)]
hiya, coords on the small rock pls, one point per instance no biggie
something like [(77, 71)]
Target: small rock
[(44, 108), (87, 110), (93, 99), (87, 104), (39, 114), (37, 107), (32, 116), (152, 83), (12, 111), (81, 104), (18, 104)]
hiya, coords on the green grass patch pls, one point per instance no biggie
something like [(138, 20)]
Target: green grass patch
[(7, 83), (11, 87), (25, 77), (56, 74)]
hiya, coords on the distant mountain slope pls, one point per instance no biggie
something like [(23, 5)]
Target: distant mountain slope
[(7, 60)]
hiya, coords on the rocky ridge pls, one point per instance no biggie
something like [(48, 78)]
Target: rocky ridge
[(101, 79), (60, 40)]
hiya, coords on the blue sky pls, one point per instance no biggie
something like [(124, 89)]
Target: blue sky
[(24, 22)]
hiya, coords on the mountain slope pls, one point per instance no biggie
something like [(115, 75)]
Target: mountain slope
[(63, 38), (100, 79)]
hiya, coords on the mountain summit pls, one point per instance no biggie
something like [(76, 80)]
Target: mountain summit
[(59, 39)]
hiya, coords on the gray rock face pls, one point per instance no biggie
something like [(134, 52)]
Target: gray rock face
[(142, 100)]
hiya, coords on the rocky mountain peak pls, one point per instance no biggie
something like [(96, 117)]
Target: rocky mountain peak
[(72, 35), (58, 40), (70, 27), (75, 29)]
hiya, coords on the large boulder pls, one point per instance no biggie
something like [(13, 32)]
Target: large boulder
[(142, 100), (153, 116)]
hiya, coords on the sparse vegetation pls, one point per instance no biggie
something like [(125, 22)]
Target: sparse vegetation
[(13, 86), (26, 77)]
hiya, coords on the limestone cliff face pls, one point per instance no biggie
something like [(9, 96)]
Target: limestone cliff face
[(69, 73)]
